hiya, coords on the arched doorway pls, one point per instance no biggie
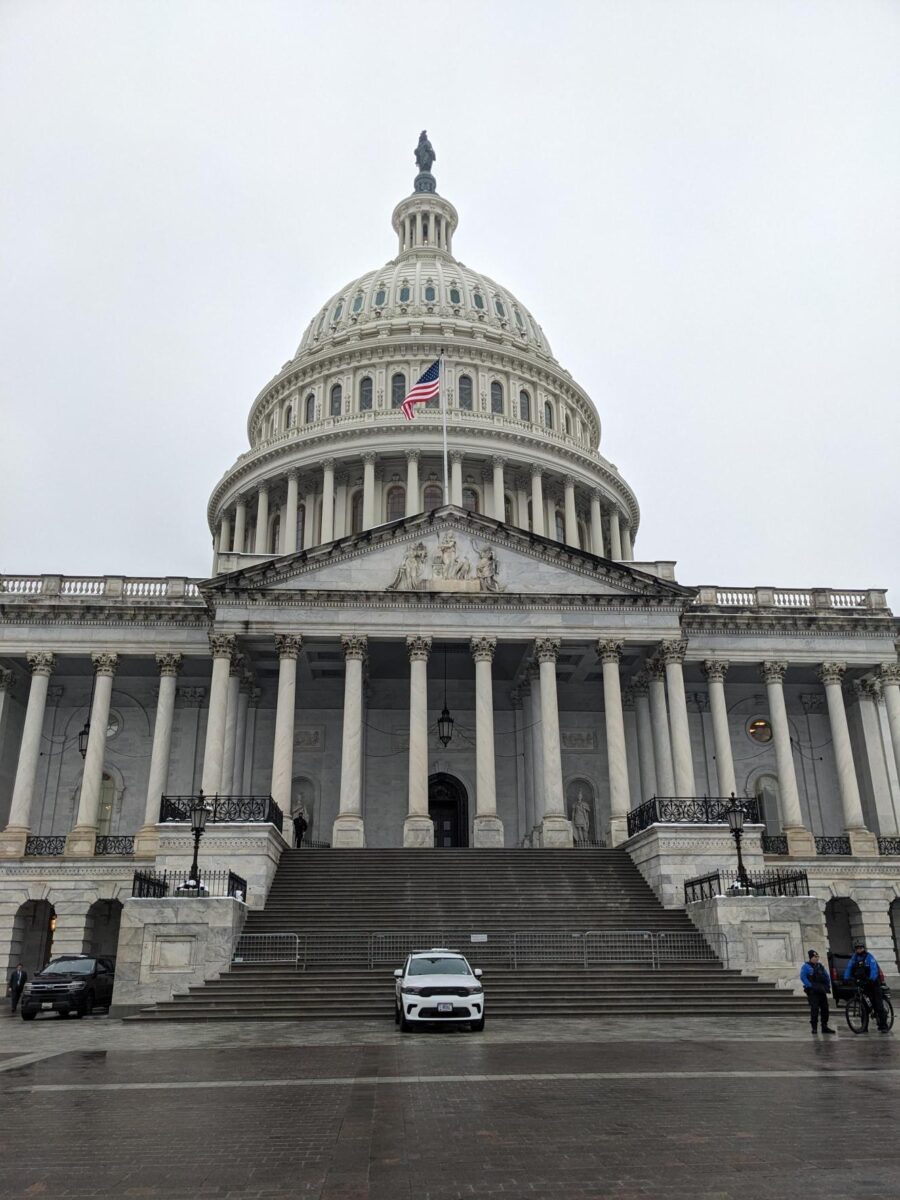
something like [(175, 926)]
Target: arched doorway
[(448, 807), (843, 923), (102, 930), (32, 939)]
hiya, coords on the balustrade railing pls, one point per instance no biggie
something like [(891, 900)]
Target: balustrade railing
[(45, 846), (889, 845), (239, 809), (833, 846), (688, 810), (107, 587), (790, 598), (114, 844), (774, 843), (152, 884), (759, 883)]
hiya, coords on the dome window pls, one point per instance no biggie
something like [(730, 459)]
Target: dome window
[(524, 406), (519, 321), (404, 294), (496, 397), (396, 503), (455, 296), (568, 421), (398, 389), (358, 303), (478, 301), (559, 522), (336, 400), (289, 417), (433, 497), (464, 392), (356, 512), (548, 414), (321, 323), (380, 297), (365, 394), (338, 310), (310, 408), (430, 294), (508, 509), (470, 499), (499, 309)]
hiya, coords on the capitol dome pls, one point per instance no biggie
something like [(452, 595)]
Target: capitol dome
[(331, 453)]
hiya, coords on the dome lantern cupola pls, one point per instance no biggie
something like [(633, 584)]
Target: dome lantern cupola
[(425, 220)]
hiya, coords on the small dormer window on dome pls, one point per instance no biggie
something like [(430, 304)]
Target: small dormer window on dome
[(499, 308), (478, 301), (430, 293), (380, 297), (358, 303), (404, 294), (455, 296), (338, 310)]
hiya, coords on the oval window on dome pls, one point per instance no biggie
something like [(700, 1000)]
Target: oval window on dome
[(358, 303), (380, 297), (404, 294), (338, 310), (464, 392), (430, 293), (519, 321), (498, 308), (478, 300)]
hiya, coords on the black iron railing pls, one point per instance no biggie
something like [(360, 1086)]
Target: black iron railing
[(833, 845), (774, 843), (688, 810), (590, 844), (48, 846), (761, 883), (114, 843), (312, 844), (247, 809), (156, 884), (889, 845)]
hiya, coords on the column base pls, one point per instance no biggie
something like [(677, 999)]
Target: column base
[(488, 831), (80, 843), (800, 842), (862, 843), (418, 832), (556, 833), (146, 842), (12, 842), (618, 831), (348, 833)]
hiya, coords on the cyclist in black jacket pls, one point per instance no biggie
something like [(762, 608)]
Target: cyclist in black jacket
[(864, 970)]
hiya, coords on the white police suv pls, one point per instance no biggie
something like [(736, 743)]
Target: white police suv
[(438, 985)]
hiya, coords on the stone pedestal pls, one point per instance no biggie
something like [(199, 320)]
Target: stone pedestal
[(556, 833), (12, 843), (418, 832), (488, 831), (801, 843), (80, 842), (618, 831), (251, 850), (146, 842), (863, 844), (348, 833), (668, 855)]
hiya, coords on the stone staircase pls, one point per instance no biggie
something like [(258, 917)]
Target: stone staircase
[(356, 912)]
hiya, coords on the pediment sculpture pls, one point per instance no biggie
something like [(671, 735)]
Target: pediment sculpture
[(445, 569)]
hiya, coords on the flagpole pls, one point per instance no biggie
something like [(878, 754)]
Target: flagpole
[(444, 416)]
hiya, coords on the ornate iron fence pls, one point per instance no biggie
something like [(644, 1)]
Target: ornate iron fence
[(46, 846), (114, 844), (590, 844), (889, 845), (762, 883), (833, 845), (244, 809), (156, 884), (689, 810), (774, 843), (312, 844)]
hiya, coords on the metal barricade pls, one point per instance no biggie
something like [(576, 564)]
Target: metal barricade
[(681, 946), (618, 945), (267, 948)]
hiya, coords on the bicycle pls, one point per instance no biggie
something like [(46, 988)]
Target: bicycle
[(859, 1008)]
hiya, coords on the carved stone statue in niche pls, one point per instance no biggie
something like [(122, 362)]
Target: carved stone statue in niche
[(581, 818)]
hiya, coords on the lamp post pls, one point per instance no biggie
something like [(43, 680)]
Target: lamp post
[(735, 814), (199, 814), (445, 721)]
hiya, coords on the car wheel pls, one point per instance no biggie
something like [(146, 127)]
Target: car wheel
[(477, 1026), (28, 1016), (88, 1009), (405, 1026)]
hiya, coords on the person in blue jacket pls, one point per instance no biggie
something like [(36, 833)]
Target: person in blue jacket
[(864, 970), (816, 985)]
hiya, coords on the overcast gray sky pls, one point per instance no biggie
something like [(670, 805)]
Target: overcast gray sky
[(698, 201)]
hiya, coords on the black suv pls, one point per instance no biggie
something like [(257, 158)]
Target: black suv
[(72, 983)]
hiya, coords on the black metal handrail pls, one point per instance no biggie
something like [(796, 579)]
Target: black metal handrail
[(761, 883), (312, 844), (45, 845), (833, 846), (244, 809), (774, 843), (889, 845), (689, 810), (114, 843), (218, 884)]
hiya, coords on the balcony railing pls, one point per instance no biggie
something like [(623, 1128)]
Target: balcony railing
[(688, 810), (792, 598), (114, 844), (179, 884), (774, 843), (833, 846), (47, 846), (889, 845), (242, 809), (761, 883), (105, 587)]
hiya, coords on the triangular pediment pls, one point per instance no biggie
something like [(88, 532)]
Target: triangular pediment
[(448, 551)]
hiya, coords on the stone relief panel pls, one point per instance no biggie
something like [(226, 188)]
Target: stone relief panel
[(578, 739), (309, 738)]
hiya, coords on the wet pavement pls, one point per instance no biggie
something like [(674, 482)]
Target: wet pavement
[(357, 1111)]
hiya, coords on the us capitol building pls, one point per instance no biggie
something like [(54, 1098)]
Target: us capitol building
[(502, 669)]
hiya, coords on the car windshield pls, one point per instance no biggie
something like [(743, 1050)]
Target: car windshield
[(69, 966), (438, 966)]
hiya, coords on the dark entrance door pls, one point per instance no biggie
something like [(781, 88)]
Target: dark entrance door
[(448, 807)]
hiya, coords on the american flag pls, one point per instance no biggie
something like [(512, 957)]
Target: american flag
[(425, 388)]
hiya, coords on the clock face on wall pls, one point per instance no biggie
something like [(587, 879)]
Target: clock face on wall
[(113, 725)]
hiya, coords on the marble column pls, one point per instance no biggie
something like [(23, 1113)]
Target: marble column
[(537, 750), (627, 550), (641, 690), (231, 706), (289, 516), (537, 502), (225, 534), (240, 524), (221, 647), (368, 513), (81, 839), (418, 829), (873, 755), (412, 482), (288, 647), (240, 735), (488, 828), (521, 502), (327, 501), (309, 518), (146, 842), (349, 829), (715, 671), (597, 546), (889, 678), (12, 841), (571, 516), (862, 842), (341, 508), (556, 828), (261, 541), (499, 489), (672, 654), (456, 459), (800, 841), (609, 653), (6, 684), (615, 536), (662, 746)]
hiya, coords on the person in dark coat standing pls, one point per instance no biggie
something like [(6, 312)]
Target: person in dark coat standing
[(816, 984), (300, 827), (17, 981)]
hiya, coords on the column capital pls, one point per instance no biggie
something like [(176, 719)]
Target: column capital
[(609, 651), (7, 678), (413, 456), (773, 671), (832, 672), (569, 481), (483, 648), (105, 664), (546, 649), (169, 664), (327, 464), (673, 652), (293, 473), (370, 458), (715, 669), (640, 684), (456, 456), (247, 682), (236, 665), (263, 487), (655, 668), (221, 645), (536, 471), (596, 494), (418, 648), (40, 662), (532, 673), (498, 460), (889, 673), (288, 645), (355, 646), (866, 689)]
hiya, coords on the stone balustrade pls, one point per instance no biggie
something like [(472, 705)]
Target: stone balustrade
[(792, 598), (107, 587)]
